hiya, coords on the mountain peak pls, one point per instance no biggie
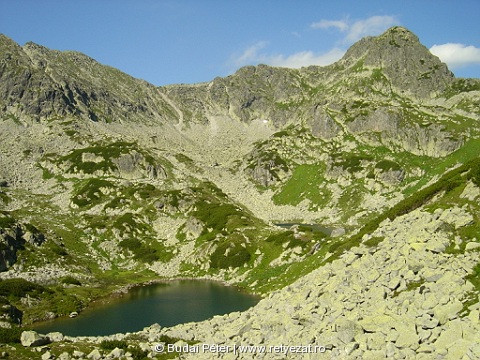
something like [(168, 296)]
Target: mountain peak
[(399, 33), (408, 64)]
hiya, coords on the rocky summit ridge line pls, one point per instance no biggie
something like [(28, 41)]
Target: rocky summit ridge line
[(107, 180)]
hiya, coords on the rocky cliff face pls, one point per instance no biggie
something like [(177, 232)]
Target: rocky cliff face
[(406, 63), (45, 84), (14, 237), (123, 177)]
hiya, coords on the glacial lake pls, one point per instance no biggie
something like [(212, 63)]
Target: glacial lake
[(168, 304), (314, 227)]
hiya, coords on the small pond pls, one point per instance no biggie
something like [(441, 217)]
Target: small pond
[(313, 227), (168, 304)]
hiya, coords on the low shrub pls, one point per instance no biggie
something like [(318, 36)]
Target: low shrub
[(140, 251), (58, 250), (237, 256), (287, 237), (70, 280), (18, 288), (474, 174), (131, 244), (214, 215), (6, 222), (88, 192), (10, 335), (112, 344), (146, 254), (137, 353)]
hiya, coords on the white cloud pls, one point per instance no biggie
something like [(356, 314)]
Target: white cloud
[(457, 55), (251, 54), (306, 58), (355, 30), (254, 55), (374, 25), (341, 25)]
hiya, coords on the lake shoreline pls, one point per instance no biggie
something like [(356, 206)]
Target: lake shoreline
[(138, 306)]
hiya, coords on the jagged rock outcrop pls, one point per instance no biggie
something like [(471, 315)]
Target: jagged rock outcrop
[(134, 165), (9, 314), (322, 124), (13, 239), (44, 84), (407, 64)]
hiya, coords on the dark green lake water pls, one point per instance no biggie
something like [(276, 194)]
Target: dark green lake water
[(168, 304), (313, 227)]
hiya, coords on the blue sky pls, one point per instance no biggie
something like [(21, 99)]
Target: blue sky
[(190, 41)]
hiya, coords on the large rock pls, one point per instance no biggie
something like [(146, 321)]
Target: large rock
[(407, 336), (32, 338), (55, 336), (448, 311), (377, 323), (95, 354)]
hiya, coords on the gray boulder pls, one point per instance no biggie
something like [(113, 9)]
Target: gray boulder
[(32, 339)]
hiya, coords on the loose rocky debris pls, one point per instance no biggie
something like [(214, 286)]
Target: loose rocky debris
[(403, 299)]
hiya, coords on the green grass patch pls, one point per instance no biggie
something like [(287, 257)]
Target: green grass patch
[(374, 241), (184, 159), (305, 183), (351, 199), (474, 296), (140, 251), (270, 278), (470, 232), (90, 192), (411, 286), (461, 85), (285, 237), (436, 167), (447, 183), (280, 134), (377, 75), (6, 221), (474, 277), (387, 165), (229, 254)]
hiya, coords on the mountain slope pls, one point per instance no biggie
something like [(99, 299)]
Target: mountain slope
[(108, 180)]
